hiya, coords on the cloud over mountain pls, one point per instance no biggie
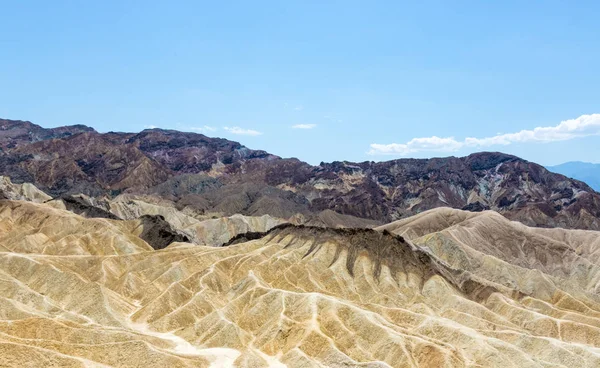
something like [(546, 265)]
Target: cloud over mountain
[(240, 131), (203, 129), (583, 126)]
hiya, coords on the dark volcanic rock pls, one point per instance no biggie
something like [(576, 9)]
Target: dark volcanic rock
[(82, 163), (17, 132), (158, 232), (82, 208), (190, 152), (475, 207)]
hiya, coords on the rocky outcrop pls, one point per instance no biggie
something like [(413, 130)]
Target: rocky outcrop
[(332, 219), (23, 192), (157, 232), (163, 223), (80, 206), (14, 133)]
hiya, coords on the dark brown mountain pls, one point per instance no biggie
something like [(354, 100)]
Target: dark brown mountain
[(17, 132), (214, 174)]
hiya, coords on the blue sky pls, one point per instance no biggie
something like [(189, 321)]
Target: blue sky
[(363, 80)]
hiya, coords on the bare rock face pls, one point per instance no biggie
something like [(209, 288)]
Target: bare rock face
[(522, 190), (24, 192), (332, 219), (157, 232), (84, 163), (219, 176), (17, 132), (81, 207), (162, 223), (446, 288)]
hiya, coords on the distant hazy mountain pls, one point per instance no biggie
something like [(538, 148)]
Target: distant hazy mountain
[(584, 171)]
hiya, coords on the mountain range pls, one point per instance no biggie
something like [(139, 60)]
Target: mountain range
[(584, 171), (165, 248), (222, 177)]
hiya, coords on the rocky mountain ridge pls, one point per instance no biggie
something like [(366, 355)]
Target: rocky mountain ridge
[(218, 175)]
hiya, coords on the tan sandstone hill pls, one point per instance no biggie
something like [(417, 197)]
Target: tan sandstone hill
[(198, 227), (25, 191), (467, 290)]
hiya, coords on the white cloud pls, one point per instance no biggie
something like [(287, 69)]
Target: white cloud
[(299, 108), (203, 129), (585, 125), (434, 143), (150, 126), (240, 131), (304, 126)]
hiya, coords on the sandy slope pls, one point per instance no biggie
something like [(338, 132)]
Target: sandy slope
[(468, 290), (25, 191)]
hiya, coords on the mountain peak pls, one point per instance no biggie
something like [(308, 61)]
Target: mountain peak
[(488, 160)]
